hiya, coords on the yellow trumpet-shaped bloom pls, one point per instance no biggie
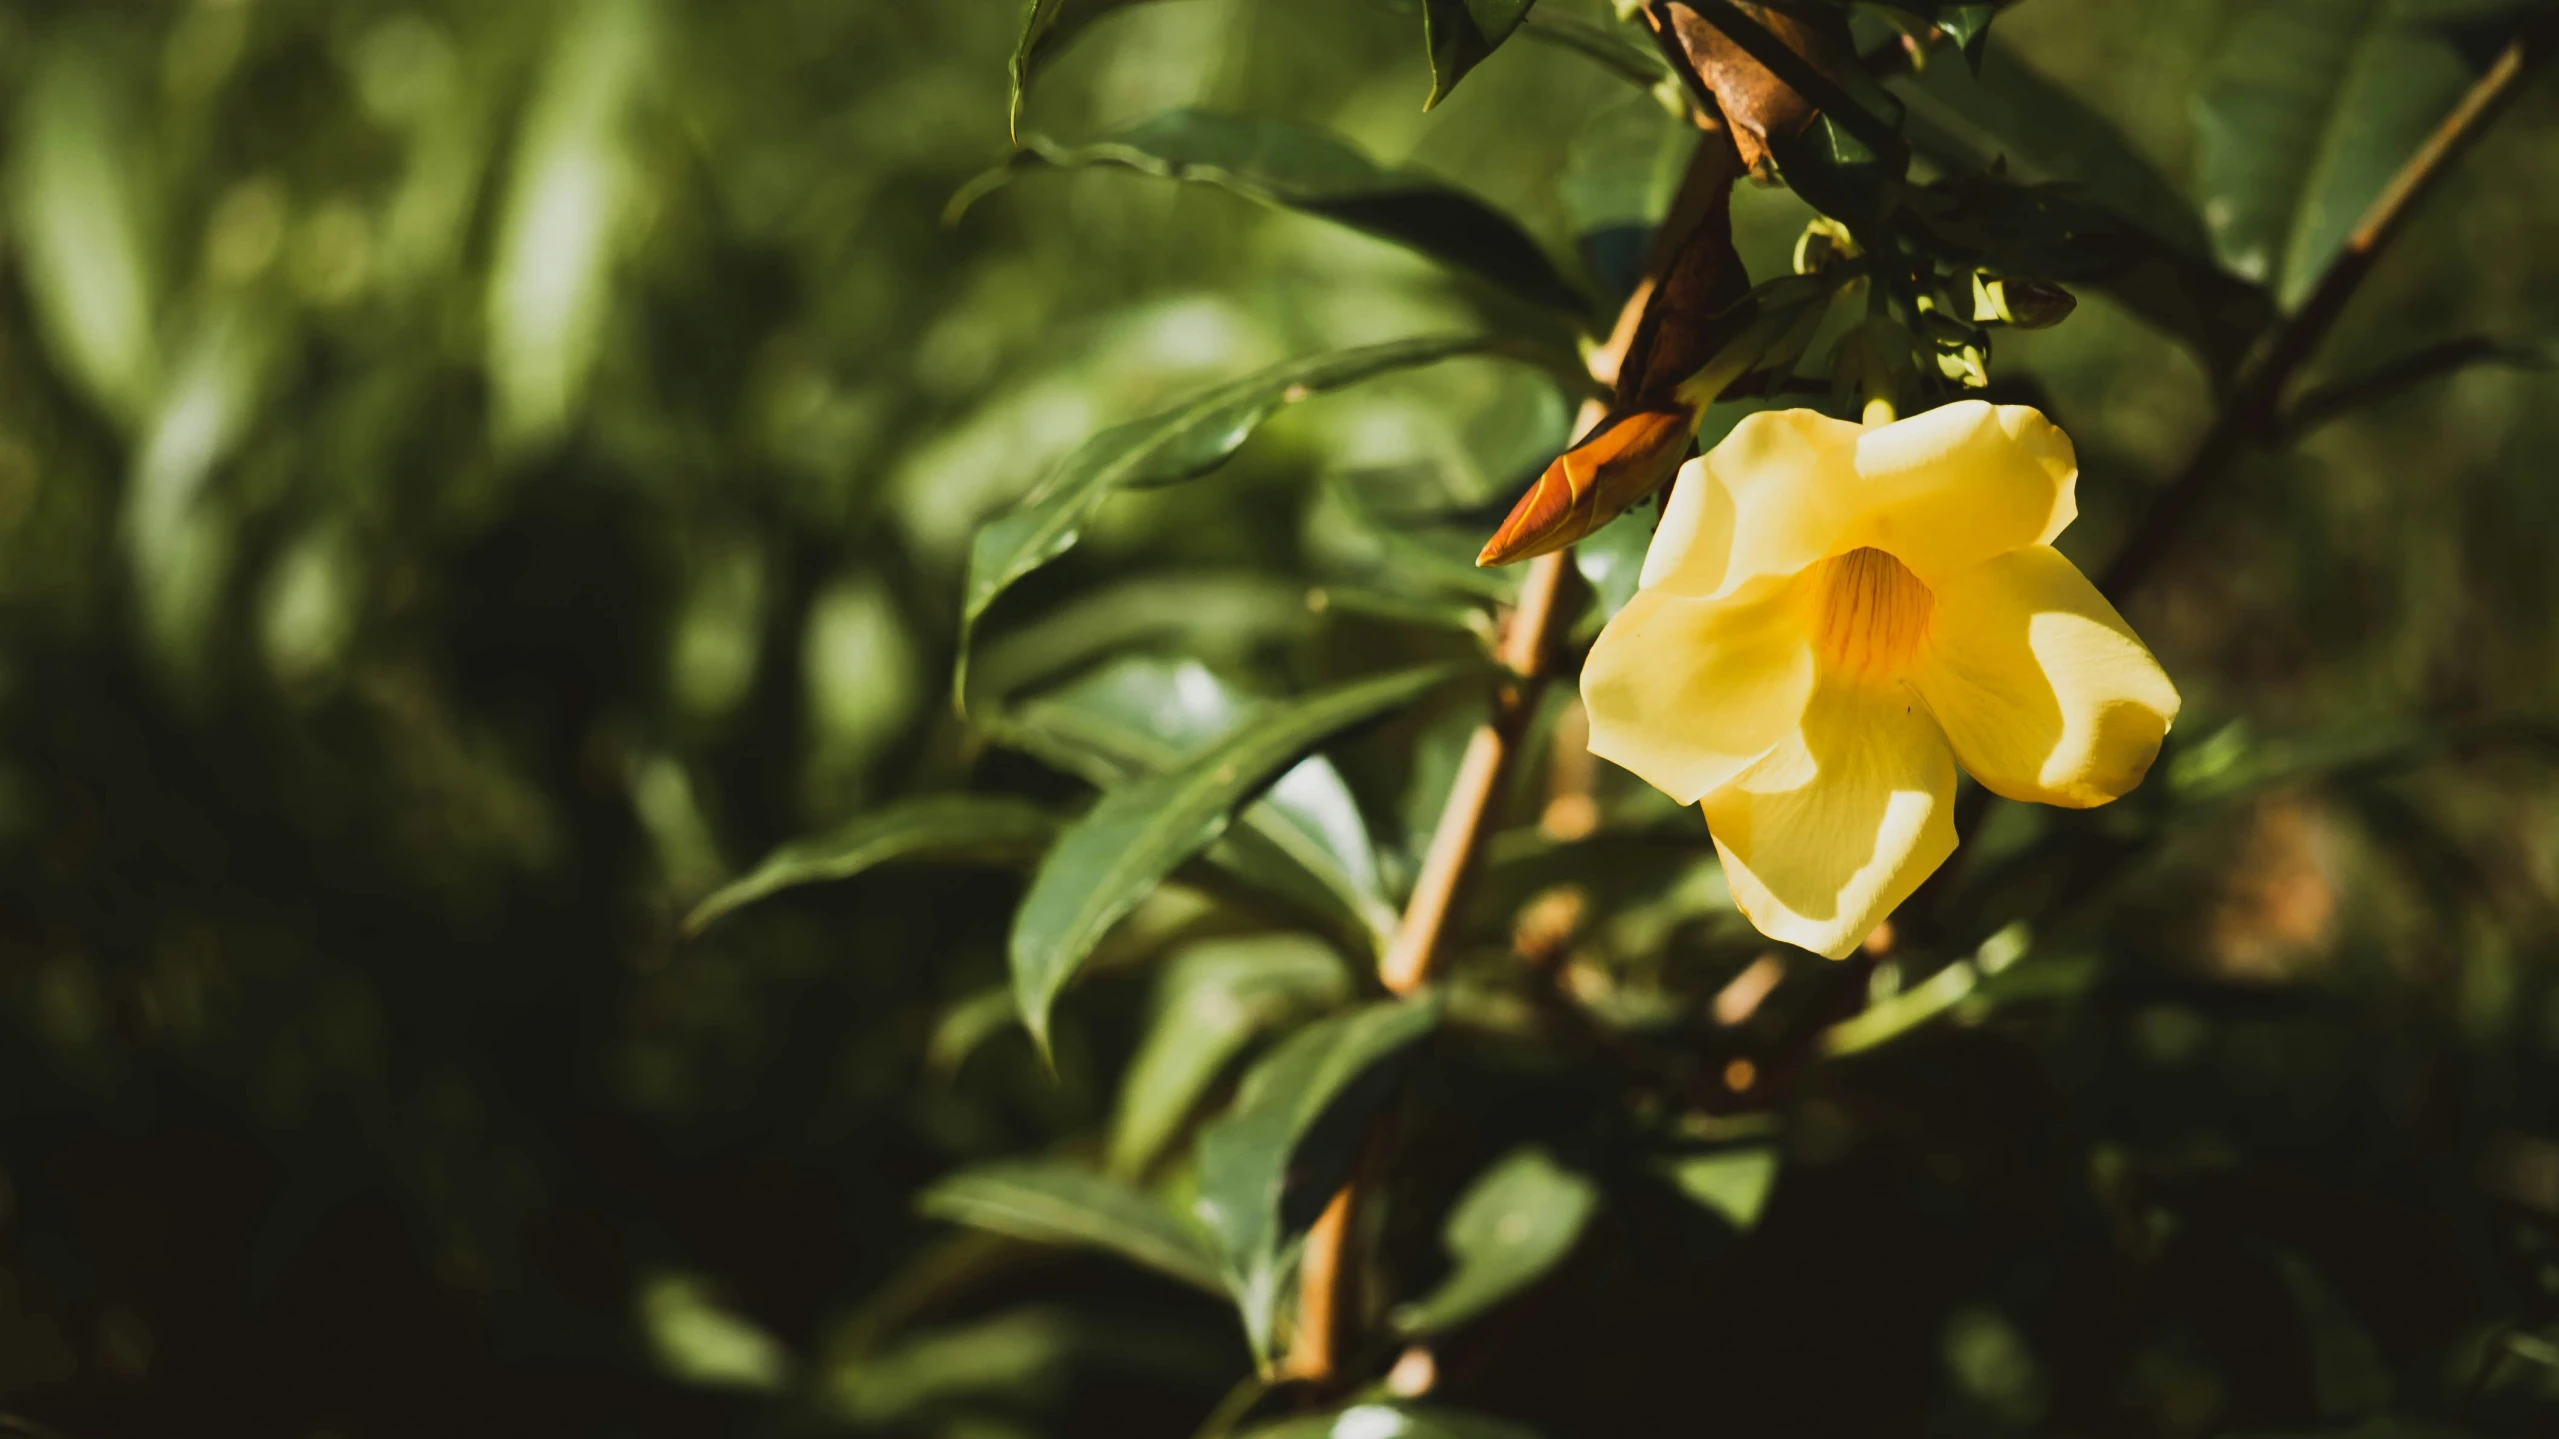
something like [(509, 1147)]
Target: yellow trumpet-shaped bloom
[(1831, 618)]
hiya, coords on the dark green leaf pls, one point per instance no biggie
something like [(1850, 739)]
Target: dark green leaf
[(1213, 998), (1272, 1163), (1182, 443), (1622, 48), (1518, 1220), (2155, 257), (1058, 1204), (982, 827), (2310, 107), (1461, 33), (1307, 170), (1140, 832), (1143, 715)]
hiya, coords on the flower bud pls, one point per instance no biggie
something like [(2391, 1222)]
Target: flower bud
[(2026, 304)]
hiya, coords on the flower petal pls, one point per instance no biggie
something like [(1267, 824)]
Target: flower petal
[(1821, 839), (1769, 500), (2044, 691), (1688, 693), (1947, 489)]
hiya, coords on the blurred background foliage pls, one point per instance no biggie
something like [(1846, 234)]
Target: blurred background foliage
[(475, 476)]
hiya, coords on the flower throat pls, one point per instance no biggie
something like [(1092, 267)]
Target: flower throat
[(1873, 614)]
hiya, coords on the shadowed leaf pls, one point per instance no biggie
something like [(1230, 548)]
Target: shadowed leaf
[(1461, 33), (1213, 998), (1272, 1163), (1517, 1221)]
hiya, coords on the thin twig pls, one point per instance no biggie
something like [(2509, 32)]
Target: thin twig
[(2251, 417), (1412, 957)]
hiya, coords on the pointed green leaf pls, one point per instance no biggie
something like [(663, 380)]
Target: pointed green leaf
[(1462, 33), (2309, 109), (1046, 28), (1271, 1164), (979, 827), (1182, 443), (1315, 173), (1212, 999), (1304, 841), (1517, 1221), (1058, 1204), (1141, 832)]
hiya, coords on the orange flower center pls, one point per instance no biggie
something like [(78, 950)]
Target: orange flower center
[(1872, 614)]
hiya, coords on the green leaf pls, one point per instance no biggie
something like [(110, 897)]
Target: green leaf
[(2309, 109), (1270, 1165), (1462, 33), (1516, 1222), (1061, 1205), (1182, 443), (1212, 999), (1306, 170), (1142, 831), (1732, 1182), (1394, 1421), (979, 827), (1304, 841), (1045, 30)]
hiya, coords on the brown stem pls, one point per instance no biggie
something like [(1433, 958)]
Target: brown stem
[(1527, 641), (2253, 414)]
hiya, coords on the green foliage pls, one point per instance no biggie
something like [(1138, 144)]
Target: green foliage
[(1140, 832), (1057, 1204), (2312, 108), (473, 477), (995, 828), (1518, 1221), (1272, 1162), (1297, 168)]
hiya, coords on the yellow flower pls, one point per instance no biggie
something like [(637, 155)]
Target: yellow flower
[(1831, 618)]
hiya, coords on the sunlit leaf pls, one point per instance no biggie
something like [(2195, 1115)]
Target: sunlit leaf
[(1062, 1205), (701, 1341), (1517, 1221), (1140, 832), (1142, 715), (1462, 33), (1732, 1182), (984, 828), (1315, 173), (575, 188), (1178, 444), (1269, 1166), (2308, 110), (1212, 999), (77, 215)]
